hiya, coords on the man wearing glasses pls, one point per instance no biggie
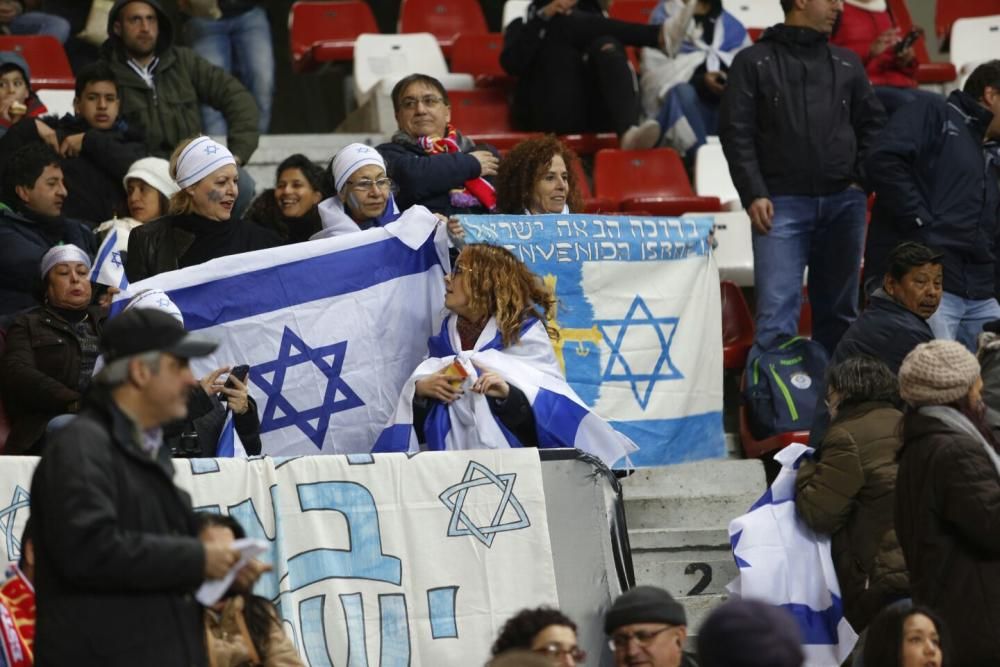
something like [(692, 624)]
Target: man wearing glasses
[(647, 626), (433, 163)]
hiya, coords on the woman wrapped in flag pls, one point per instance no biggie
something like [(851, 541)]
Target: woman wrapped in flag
[(491, 379)]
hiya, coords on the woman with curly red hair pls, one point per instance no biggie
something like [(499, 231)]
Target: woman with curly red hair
[(536, 177), (491, 379)]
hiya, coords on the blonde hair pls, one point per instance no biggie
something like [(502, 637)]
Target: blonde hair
[(181, 202), (501, 285)]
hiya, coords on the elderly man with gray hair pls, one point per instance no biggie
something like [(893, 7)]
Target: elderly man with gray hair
[(118, 552)]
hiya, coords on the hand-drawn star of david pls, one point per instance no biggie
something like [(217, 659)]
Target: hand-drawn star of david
[(645, 319), (454, 499), (164, 303), (116, 258), (7, 517), (211, 150), (337, 397)]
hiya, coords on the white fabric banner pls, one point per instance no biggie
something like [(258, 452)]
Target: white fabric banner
[(385, 560)]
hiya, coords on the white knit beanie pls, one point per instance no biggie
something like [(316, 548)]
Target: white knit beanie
[(937, 373), (66, 252), (154, 171), (200, 159)]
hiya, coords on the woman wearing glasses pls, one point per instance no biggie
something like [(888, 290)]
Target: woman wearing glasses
[(200, 225), (363, 193), (545, 631)]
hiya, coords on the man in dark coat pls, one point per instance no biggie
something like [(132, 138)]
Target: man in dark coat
[(936, 185), (31, 222), (118, 552), (797, 116), (446, 181)]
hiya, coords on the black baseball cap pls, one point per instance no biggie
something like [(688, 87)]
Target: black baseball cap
[(140, 330)]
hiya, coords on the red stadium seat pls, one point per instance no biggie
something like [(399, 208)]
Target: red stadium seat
[(737, 327), (445, 19), (479, 55), (591, 204), (651, 181), (322, 32), (46, 58), (632, 11), (484, 116), (927, 72), (947, 12)]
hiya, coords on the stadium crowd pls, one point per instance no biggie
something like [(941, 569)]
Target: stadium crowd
[(815, 117)]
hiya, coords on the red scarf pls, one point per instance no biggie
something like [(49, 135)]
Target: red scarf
[(17, 620), (477, 187)]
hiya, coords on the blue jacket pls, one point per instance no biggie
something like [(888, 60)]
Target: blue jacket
[(22, 245), (934, 185)]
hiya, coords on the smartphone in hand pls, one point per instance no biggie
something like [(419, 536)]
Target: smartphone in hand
[(240, 373)]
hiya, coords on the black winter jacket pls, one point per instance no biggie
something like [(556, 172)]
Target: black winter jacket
[(23, 240), (797, 115), (117, 553), (935, 186), (94, 178), (948, 524), (428, 179)]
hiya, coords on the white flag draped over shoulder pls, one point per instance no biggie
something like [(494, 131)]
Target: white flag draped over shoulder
[(785, 563), (331, 328)]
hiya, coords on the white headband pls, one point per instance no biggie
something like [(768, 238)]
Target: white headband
[(350, 158), (63, 253), (199, 159), (155, 299)]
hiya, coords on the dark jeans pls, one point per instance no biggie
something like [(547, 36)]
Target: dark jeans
[(581, 77)]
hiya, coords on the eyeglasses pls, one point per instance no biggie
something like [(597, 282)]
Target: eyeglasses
[(620, 641), (555, 652), (429, 101), (366, 184)]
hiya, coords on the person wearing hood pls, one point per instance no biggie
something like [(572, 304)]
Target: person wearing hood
[(291, 207), (96, 147), (31, 222), (797, 117), (364, 194), (936, 185), (201, 225), (162, 86), (17, 99)]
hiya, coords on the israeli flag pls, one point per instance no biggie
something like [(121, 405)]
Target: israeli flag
[(109, 269), (783, 562), (331, 328), (639, 321), (562, 419), (229, 444)]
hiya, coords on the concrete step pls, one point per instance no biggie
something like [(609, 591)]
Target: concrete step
[(694, 573), (698, 607)]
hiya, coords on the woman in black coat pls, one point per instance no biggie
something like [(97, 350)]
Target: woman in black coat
[(948, 498)]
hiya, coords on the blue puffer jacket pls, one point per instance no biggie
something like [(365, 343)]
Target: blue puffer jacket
[(22, 244), (934, 184)]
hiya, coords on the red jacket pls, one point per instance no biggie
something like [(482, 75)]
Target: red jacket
[(858, 30)]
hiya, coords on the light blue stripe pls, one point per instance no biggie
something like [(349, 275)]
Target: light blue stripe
[(441, 605), (668, 441)]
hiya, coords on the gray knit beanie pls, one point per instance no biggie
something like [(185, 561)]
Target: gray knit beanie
[(937, 373), (644, 604)]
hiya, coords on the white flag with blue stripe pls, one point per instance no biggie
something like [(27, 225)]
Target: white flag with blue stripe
[(109, 268), (331, 329), (229, 444), (562, 419), (783, 562)]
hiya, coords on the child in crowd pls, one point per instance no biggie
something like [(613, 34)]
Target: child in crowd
[(17, 100)]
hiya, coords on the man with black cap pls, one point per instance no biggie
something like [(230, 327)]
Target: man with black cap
[(647, 626), (118, 552)]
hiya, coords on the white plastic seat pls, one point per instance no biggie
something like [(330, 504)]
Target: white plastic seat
[(974, 41), (389, 58), (514, 9), (58, 102), (711, 175), (758, 14), (734, 253)]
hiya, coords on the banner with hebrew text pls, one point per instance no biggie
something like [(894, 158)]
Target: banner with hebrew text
[(639, 321), (385, 560)]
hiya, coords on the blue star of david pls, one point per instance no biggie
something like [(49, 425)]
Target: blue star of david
[(211, 149), (292, 351), (646, 319), (116, 258), (454, 499), (164, 303), (8, 515)]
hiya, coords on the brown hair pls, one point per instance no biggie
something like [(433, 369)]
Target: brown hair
[(501, 285), (522, 168)]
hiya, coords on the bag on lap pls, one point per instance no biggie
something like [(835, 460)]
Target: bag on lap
[(782, 386)]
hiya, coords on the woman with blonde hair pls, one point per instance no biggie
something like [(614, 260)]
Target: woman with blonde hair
[(199, 226), (491, 379)]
